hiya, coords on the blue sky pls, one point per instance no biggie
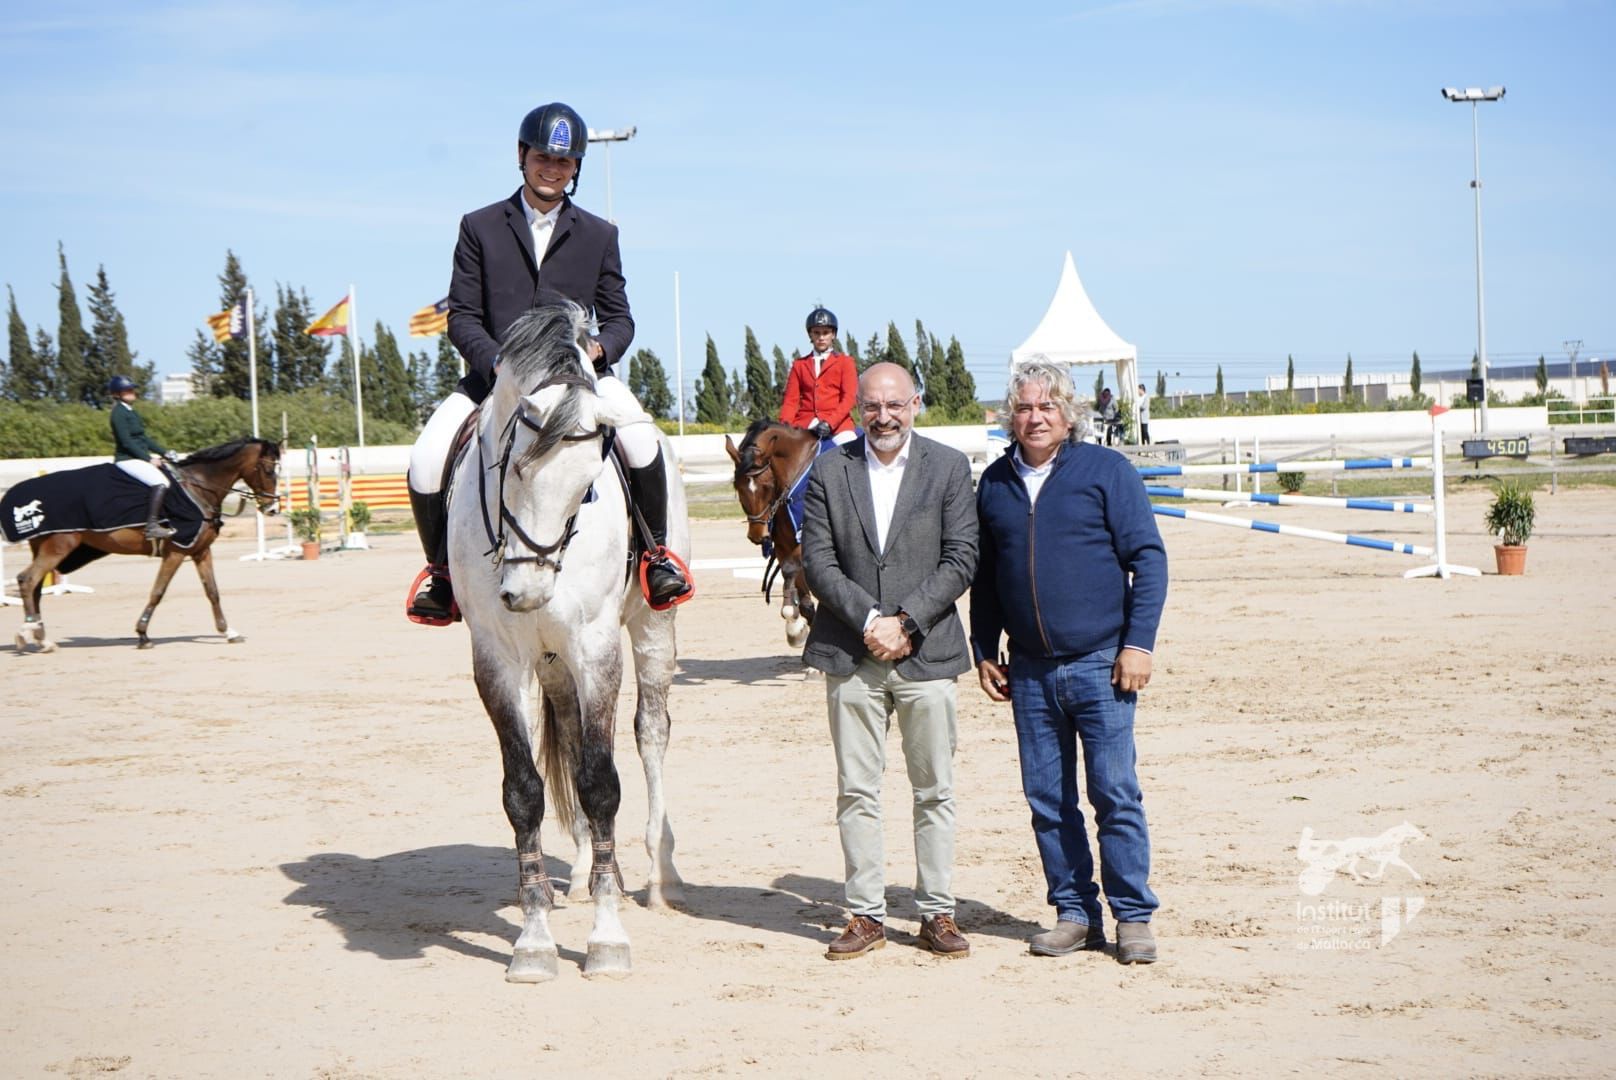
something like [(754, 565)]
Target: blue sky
[(1237, 181)]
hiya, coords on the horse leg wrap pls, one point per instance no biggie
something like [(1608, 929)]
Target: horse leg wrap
[(608, 868), (531, 874)]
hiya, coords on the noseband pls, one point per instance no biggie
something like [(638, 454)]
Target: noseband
[(542, 554)]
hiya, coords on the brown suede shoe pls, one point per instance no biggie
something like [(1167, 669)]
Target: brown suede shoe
[(1067, 937), (863, 934), (1135, 943), (942, 936)]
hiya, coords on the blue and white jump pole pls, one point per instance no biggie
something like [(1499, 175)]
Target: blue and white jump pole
[(1440, 568)]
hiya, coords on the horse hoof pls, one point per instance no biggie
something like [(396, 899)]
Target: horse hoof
[(578, 893), (796, 633), (234, 638), (145, 643), (607, 958), (665, 896), (531, 966)]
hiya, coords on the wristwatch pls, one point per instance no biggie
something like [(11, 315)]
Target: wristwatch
[(910, 627)]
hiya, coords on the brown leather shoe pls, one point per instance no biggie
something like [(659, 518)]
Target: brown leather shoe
[(863, 934), (942, 936)]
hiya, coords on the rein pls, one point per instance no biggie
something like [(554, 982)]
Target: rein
[(766, 518), (542, 554), (189, 482)]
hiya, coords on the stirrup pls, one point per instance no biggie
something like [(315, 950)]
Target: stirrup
[(430, 620), (656, 555)]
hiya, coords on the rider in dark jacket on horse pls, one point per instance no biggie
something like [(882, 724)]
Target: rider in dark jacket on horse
[(138, 454)]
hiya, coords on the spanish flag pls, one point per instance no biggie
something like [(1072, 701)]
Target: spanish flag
[(231, 323), (333, 323), (431, 320)]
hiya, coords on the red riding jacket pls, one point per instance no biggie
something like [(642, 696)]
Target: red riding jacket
[(829, 397)]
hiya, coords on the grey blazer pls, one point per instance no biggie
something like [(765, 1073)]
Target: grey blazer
[(929, 560)]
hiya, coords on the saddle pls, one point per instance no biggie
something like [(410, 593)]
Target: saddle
[(639, 535)]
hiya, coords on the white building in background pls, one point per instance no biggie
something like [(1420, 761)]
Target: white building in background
[(175, 389)]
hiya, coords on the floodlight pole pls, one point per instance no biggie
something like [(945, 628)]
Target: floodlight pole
[(608, 137), (1475, 97)]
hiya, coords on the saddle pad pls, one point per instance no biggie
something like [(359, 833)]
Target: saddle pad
[(96, 498), (799, 494)]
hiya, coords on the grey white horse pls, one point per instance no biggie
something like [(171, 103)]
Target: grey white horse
[(539, 550)]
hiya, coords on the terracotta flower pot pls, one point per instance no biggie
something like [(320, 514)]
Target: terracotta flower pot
[(311, 549), (1511, 558)]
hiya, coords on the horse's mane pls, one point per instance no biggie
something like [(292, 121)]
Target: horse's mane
[(541, 349), (226, 451), (748, 449)]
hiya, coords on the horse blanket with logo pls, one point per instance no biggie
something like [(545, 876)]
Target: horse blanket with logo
[(97, 498)]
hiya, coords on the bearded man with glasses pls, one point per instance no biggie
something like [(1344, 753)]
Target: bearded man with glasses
[(889, 545)]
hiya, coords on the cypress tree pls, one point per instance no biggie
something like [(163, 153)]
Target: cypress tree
[(72, 376), (760, 402), (897, 352), (1290, 375), (28, 379), (1346, 382), (397, 397), (782, 372), (1219, 390), (737, 397), (204, 357), (1414, 375), (853, 351), (961, 386), (712, 389), (421, 400), (339, 376), (1475, 365), (300, 357), (649, 383), (931, 393), (446, 371), (233, 378), (1542, 376), (874, 353), (45, 357), (109, 340), (1099, 384), (1161, 383)]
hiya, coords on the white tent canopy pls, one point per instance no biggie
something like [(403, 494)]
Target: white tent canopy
[(1072, 333)]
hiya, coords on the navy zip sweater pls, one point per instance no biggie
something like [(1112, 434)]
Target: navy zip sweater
[(1083, 569)]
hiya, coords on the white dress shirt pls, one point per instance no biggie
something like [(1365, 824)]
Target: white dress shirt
[(1033, 477), (542, 226), (884, 483)]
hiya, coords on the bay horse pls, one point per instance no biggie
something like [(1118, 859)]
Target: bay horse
[(531, 492), (207, 476), (773, 458)]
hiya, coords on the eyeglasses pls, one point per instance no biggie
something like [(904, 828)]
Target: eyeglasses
[(873, 408)]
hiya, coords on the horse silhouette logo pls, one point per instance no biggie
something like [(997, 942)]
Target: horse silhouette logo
[(27, 517), (1325, 858)]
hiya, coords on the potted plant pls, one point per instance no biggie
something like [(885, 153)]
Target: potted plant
[(306, 524), (358, 524), (1509, 517)]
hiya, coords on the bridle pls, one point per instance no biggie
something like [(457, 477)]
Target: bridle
[(190, 482), (766, 518), (542, 554)]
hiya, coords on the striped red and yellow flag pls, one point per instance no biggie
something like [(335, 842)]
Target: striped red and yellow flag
[(333, 323), (230, 323), (431, 320)]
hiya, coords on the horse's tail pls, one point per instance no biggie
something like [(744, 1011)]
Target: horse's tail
[(558, 749)]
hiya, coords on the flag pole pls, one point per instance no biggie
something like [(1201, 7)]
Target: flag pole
[(678, 355), (353, 344), (252, 381)]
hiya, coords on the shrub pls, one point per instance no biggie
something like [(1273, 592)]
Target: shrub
[(1511, 514), (1291, 482), (359, 516), (306, 524)]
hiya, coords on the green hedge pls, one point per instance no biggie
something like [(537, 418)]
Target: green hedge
[(44, 429)]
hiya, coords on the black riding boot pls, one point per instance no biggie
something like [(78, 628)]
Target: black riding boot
[(648, 486), (436, 601), (155, 529)]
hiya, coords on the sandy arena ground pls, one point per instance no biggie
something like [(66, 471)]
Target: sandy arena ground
[(288, 857)]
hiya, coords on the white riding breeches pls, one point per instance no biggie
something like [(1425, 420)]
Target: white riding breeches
[(431, 450), (144, 471), (842, 438)]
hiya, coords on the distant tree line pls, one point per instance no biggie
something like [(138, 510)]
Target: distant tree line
[(72, 369), (732, 400)]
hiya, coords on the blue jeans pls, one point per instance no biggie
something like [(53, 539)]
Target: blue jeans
[(1058, 702)]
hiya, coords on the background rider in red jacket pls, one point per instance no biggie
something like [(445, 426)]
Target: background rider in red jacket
[(822, 385)]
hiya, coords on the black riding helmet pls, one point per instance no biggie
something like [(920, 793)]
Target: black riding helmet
[(821, 316), (119, 383), (558, 130)]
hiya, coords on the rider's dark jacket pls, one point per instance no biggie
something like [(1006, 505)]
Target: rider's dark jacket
[(496, 279), (129, 434)]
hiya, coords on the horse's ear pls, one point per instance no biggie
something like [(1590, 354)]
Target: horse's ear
[(734, 454)]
